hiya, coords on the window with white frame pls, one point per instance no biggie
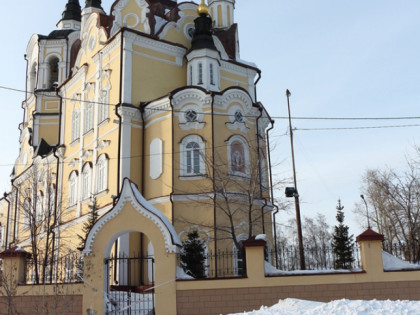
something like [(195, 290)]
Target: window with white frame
[(103, 108), (102, 173), (39, 210), (238, 156), (86, 180), (27, 213), (211, 74), (192, 156), (88, 122), (75, 125), (73, 188)]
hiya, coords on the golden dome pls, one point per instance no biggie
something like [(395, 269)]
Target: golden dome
[(203, 9)]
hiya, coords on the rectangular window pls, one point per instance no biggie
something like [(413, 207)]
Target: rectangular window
[(200, 73), (211, 74), (196, 162), (189, 162)]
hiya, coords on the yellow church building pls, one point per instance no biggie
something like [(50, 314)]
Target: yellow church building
[(150, 104)]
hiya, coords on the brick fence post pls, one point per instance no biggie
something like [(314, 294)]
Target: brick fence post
[(14, 265), (371, 252), (254, 252)]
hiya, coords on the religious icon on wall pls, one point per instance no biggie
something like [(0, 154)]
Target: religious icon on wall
[(237, 157)]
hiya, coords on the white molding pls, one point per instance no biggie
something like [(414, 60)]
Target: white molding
[(156, 158), (120, 21), (130, 194)]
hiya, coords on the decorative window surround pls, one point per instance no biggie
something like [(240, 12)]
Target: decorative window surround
[(238, 157), (73, 189), (197, 124), (192, 157), (237, 118), (102, 173)]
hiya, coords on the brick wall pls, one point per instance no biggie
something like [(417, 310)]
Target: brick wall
[(225, 301), (68, 305)]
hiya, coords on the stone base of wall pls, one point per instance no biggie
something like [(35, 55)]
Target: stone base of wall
[(225, 301), (68, 305)]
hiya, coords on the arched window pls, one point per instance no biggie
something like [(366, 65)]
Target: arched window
[(73, 188), (238, 156), (86, 180), (27, 213), (75, 125), (52, 72), (102, 173), (192, 156), (39, 210)]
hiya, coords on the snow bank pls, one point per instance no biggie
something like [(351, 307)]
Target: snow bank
[(181, 275), (270, 270), (392, 263), (339, 307)]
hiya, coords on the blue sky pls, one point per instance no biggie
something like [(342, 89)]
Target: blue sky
[(354, 58)]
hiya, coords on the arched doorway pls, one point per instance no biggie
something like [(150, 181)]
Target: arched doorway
[(129, 271), (136, 246)]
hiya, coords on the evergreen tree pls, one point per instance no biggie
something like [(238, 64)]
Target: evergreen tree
[(342, 242), (193, 255), (88, 225)]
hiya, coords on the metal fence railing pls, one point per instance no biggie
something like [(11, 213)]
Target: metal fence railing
[(66, 269), (219, 264), (287, 258)]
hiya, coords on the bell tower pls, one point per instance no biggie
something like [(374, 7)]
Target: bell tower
[(71, 17), (203, 57), (222, 12)]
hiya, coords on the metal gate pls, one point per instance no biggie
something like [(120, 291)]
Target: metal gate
[(130, 285)]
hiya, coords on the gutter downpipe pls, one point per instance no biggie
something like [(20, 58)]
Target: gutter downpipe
[(272, 194), (8, 221), (214, 185), (259, 171), (16, 209), (173, 160), (54, 225), (255, 84), (117, 114)]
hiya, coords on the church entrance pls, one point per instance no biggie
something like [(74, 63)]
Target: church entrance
[(130, 277)]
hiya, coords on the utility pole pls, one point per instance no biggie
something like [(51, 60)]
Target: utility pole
[(296, 194)]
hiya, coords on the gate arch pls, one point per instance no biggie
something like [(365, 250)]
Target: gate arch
[(133, 213)]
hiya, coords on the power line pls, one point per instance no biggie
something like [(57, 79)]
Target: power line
[(221, 114), (149, 155), (356, 128)]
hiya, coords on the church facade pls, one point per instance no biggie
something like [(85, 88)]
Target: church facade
[(153, 94)]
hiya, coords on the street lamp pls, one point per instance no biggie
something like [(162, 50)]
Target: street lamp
[(367, 210)]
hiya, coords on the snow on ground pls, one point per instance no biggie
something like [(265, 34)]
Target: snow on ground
[(270, 270), (339, 307)]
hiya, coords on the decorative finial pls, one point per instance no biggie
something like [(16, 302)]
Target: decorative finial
[(203, 9)]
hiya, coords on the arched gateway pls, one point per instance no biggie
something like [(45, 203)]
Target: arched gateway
[(123, 250)]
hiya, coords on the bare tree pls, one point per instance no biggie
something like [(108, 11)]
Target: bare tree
[(238, 196), (393, 199), (8, 288), (36, 202)]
